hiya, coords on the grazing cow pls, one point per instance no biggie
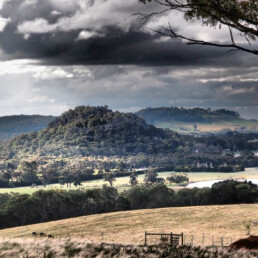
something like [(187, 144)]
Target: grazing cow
[(50, 236), (247, 243), (34, 234), (42, 234)]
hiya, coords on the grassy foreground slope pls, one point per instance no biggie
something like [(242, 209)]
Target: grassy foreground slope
[(80, 248), (229, 221)]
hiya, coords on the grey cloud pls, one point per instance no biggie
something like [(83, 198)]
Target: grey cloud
[(114, 64), (106, 30), (114, 46), (120, 87)]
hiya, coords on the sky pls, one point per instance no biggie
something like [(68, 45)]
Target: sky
[(58, 54)]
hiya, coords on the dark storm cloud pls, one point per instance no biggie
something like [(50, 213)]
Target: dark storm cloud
[(115, 47), (48, 30)]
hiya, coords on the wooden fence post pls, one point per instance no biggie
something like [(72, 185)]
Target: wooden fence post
[(222, 241), (145, 241), (192, 240), (203, 239), (171, 242), (212, 240), (182, 238)]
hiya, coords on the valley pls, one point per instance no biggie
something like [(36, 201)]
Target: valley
[(122, 183)]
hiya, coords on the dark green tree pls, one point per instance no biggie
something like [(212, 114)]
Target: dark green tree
[(150, 177), (109, 177), (133, 179), (178, 178), (29, 171)]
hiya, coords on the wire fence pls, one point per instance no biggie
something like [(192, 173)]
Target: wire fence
[(194, 239)]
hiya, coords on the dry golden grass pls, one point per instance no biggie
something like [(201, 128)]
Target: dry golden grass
[(128, 227), (20, 248)]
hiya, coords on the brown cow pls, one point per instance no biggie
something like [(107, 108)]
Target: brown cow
[(250, 243)]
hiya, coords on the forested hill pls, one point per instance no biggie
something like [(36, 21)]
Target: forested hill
[(185, 115), (87, 131), (183, 119), (14, 125)]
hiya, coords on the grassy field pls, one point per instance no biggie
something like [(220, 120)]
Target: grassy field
[(202, 225), (123, 182), (211, 127)]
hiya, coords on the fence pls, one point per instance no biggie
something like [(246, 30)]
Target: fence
[(211, 240), (171, 239), (187, 238), (191, 239)]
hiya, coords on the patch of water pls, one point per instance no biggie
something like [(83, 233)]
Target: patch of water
[(212, 182)]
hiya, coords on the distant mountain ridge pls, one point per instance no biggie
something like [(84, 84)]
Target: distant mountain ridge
[(183, 119), (185, 115), (11, 126)]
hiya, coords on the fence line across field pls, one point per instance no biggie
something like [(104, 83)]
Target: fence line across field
[(192, 239), (211, 240), (150, 238), (174, 238)]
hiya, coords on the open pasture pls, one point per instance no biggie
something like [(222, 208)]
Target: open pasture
[(208, 222), (122, 183)]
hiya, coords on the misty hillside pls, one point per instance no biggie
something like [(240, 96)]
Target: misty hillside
[(11, 126), (183, 119)]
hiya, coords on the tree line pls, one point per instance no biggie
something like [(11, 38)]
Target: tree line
[(42, 206)]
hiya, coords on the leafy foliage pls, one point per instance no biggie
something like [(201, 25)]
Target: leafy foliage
[(178, 178), (238, 15)]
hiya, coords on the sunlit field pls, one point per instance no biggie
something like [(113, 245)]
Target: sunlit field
[(209, 222), (210, 127), (122, 183)]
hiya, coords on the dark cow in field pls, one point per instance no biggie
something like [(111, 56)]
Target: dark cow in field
[(42, 235), (50, 236), (34, 234), (250, 243)]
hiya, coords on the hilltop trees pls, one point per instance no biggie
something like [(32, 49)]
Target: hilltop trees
[(239, 16)]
